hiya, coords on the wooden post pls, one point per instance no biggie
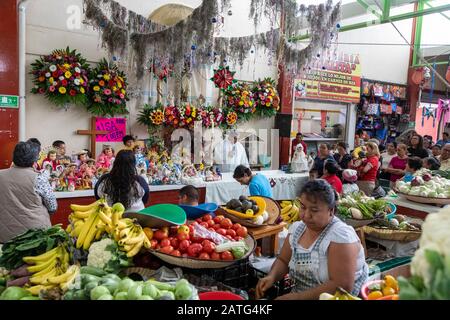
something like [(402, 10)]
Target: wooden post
[(93, 132)]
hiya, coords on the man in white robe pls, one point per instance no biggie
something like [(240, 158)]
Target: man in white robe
[(230, 153)]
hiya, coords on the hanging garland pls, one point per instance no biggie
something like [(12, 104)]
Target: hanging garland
[(108, 90), (62, 77)]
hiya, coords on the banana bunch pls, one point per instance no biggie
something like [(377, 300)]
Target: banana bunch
[(130, 236), (290, 211), (51, 269), (89, 223), (340, 294)]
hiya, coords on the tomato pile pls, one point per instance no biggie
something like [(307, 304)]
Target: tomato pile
[(184, 242)]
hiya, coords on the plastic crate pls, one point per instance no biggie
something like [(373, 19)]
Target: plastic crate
[(279, 288), (236, 275)]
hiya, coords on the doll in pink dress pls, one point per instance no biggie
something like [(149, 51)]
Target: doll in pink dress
[(106, 158), (71, 177)]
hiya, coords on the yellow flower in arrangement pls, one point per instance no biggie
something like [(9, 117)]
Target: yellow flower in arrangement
[(202, 166), (107, 77), (123, 91), (81, 81), (121, 79), (68, 74), (157, 117), (231, 118), (82, 90), (241, 103), (119, 84), (96, 88), (62, 90), (114, 89), (66, 65), (51, 80)]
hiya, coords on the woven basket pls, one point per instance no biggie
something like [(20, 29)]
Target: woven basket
[(419, 199), (195, 263), (357, 223), (143, 272), (394, 235), (272, 208), (187, 180)]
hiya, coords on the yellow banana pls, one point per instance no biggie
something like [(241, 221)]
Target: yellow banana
[(69, 228), (133, 240), (124, 223), (41, 258), (35, 290), (84, 208), (124, 233), (83, 215), (99, 233), (47, 269), (66, 284), (42, 279), (286, 209), (65, 276), (106, 220), (147, 243), (91, 234), (115, 217), (135, 250), (128, 247), (42, 265), (85, 230), (77, 231)]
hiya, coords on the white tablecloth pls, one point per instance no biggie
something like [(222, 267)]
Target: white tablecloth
[(284, 186)]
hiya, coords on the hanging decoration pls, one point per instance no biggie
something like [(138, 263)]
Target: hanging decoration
[(62, 77), (223, 78), (108, 90)]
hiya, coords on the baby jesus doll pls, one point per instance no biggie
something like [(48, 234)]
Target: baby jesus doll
[(71, 177), (51, 160), (299, 160)]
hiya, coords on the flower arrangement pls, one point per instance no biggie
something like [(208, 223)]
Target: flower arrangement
[(188, 115), (232, 118), (240, 98), (212, 116), (172, 117), (266, 97), (161, 71), (223, 78), (108, 90), (62, 77), (157, 117)]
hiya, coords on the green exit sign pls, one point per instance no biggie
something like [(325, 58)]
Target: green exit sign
[(9, 101)]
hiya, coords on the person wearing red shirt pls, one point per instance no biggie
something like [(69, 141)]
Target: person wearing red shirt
[(330, 175), (369, 171), (298, 139)]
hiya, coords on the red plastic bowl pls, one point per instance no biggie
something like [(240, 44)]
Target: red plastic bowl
[(219, 295), (365, 288)]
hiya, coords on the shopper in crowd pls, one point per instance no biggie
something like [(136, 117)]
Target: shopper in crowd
[(397, 165), (106, 158), (123, 184), (60, 147), (369, 171), (128, 142), (445, 158), (431, 163), (405, 137), (349, 178), (319, 161), (342, 157), (436, 151), (360, 138), (412, 166), (258, 184), (188, 196), (428, 144), (321, 253), (386, 157), (27, 199), (330, 171), (298, 140), (445, 139), (416, 148)]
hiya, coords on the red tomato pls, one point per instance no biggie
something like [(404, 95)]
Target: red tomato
[(157, 247), (231, 233), (226, 255), (242, 232), (204, 256), (175, 243), (216, 226), (173, 230), (154, 243), (183, 236), (237, 238), (167, 250), (236, 226), (222, 231), (207, 217), (218, 219), (208, 246), (210, 223), (165, 243), (184, 245), (226, 223), (159, 235), (229, 237), (191, 227), (176, 253), (193, 223), (199, 220), (215, 256), (211, 229), (194, 249), (204, 224)]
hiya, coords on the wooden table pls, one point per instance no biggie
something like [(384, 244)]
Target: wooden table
[(268, 232)]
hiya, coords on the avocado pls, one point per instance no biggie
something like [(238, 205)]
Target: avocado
[(239, 209), (255, 208), (243, 198), (246, 205), (234, 203), (253, 202)]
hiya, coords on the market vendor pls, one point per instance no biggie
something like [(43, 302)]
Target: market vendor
[(188, 196), (26, 197), (321, 253), (60, 147), (123, 184), (258, 184), (128, 142), (298, 140)]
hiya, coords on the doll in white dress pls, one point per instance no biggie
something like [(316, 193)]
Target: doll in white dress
[(299, 160)]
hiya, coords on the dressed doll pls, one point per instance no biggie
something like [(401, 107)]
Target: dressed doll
[(90, 169), (82, 158), (106, 158), (51, 160), (71, 177), (299, 160), (140, 158)]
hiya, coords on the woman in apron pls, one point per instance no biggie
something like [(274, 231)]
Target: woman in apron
[(321, 253)]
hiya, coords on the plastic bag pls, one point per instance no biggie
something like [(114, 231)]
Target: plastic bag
[(202, 232)]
